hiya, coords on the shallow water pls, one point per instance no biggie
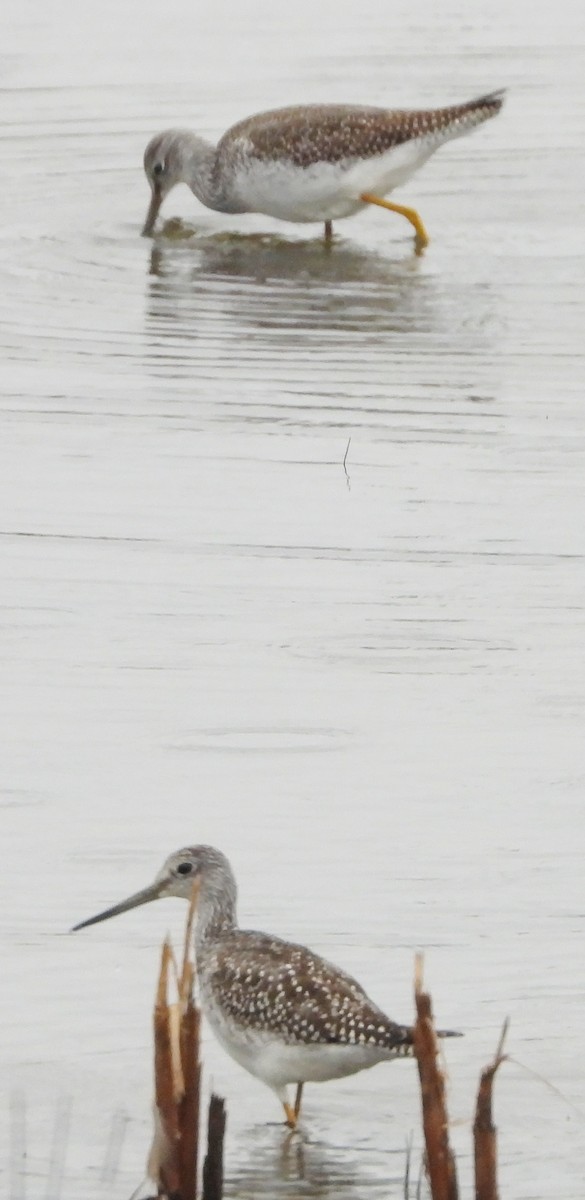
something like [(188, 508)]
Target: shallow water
[(364, 682)]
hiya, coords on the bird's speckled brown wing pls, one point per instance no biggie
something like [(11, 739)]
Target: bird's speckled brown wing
[(284, 989), (307, 134)]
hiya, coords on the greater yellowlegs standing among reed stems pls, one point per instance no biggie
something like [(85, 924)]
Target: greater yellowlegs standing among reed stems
[(313, 162), (285, 1014)]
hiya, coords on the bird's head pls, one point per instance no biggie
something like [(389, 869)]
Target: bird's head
[(164, 160), (175, 878)]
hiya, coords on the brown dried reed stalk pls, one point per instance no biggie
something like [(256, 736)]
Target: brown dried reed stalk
[(484, 1131), (177, 1071), (440, 1161)]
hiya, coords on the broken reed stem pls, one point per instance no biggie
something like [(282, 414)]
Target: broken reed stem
[(484, 1130), (440, 1161), (163, 1163), (188, 1148), (177, 1071), (213, 1165), (188, 970)]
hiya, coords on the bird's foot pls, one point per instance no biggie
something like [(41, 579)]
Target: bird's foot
[(291, 1115), (421, 240)]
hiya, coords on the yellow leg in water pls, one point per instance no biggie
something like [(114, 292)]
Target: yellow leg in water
[(291, 1116), (298, 1098), (422, 237)]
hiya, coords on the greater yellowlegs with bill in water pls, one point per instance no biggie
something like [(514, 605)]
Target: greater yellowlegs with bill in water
[(312, 162), (284, 1013)]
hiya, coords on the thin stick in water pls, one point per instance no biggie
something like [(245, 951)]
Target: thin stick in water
[(111, 1163), (58, 1149), (345, 462), (17, 1146), (213, 1165), (407, 1167)]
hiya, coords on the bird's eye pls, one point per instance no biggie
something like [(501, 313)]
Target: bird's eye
[(158, 168), (184, 868)]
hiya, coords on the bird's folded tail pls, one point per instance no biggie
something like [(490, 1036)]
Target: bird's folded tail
[(438, 125), (489, 104), (459, 119), (402, 1043)]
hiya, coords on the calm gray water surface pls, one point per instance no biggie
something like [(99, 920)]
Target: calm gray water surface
[(367, 686)]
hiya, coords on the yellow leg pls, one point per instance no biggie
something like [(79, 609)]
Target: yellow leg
[(298, 1098), (422, 238), (291, 1116)]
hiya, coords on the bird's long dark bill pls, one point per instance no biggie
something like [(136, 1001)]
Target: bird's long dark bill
[(153, 208), (144, 897)]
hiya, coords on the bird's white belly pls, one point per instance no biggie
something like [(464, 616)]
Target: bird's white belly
[(325, 191), (387, 171), (293, 193), (314, 1062), (276, 1063)]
